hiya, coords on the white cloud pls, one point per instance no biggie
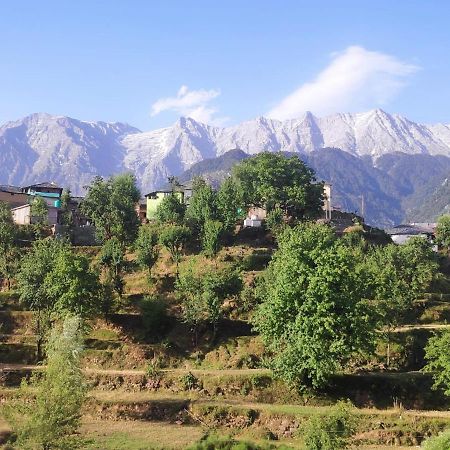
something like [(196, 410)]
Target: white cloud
[(194, 104), (356, 79)]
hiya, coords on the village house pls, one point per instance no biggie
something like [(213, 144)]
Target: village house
[(13, 196), (22, 215), (182, 192), (50, 192), (404, 232)]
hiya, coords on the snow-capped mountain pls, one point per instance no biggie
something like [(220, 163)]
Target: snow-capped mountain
[(70, 152)]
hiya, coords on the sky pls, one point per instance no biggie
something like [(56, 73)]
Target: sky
[(223, 62)]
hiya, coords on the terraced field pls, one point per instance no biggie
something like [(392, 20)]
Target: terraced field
[(165, 392)]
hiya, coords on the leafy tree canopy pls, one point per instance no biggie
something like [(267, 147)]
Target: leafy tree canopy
[(202, 204), (437, 353), (171, 210), (272, 179), (52, 417), (443, 230), (313, 314), (110, 204), (52, 278), (399, 274), (146, 246)]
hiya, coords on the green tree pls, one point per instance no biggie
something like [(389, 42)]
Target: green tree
[(39, 216), (174, 239), (66, 215), (212, 233), (269, 180), (399, 274), (53, 282), (443, 231), (52, 418), (314, 299), (146, 247), (110, 204), (171, 210), (332, 431), (275, 220), (203, 292), (230, 204), (437, 354), (9, 254), (202, 205), (112, 259)]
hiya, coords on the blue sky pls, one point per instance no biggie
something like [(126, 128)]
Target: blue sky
[(147, 62)]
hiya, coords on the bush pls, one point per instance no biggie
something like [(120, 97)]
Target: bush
[(441, 442), (330, 432), (214, 442), (189, 381)]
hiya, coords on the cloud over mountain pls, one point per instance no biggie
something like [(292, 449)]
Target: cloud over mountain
[(354, 80)]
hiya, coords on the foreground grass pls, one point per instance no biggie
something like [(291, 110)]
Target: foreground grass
[(118, 435)]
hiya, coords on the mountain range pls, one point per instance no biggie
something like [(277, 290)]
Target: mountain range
[(385, 164)]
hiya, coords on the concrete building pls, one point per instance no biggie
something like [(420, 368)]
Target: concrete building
[(22, 215)]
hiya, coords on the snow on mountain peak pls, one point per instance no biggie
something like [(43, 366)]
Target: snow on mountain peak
[(71, 151)]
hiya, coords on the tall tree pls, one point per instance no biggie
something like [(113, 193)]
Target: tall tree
[(269, 180), (202, 205), (203, 292), (147, 249), (110, 204), (174, 239), (171, 210), (51, 419), (39, 216), (211, 235), (399, 274), (53, 282), (443, 231), (112, 258), (230, 204), (313, 300), (8, 246)]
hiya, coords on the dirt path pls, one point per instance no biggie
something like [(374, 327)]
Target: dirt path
[(218, 372)]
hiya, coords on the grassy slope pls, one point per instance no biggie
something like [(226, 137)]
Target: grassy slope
[(117, 351)]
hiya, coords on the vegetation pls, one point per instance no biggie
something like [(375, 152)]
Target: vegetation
[(174, 239), (51, 419), (39, 215), (110, 204), (53, 282), (441, 442), (313, 300), (331, 432), (112, 259), (171, 210), (203, 293), (251, 331), (443, 231), (146, 247), (437, 353), (9, 253), (272, 180), (212, 233)]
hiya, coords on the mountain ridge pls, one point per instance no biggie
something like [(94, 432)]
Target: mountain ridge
[(71, 152)]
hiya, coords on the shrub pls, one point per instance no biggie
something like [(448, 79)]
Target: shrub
[(189, 381), (441, 442), (330, 432)]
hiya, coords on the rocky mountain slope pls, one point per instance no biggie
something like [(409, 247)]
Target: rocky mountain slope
[(70, 152)]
